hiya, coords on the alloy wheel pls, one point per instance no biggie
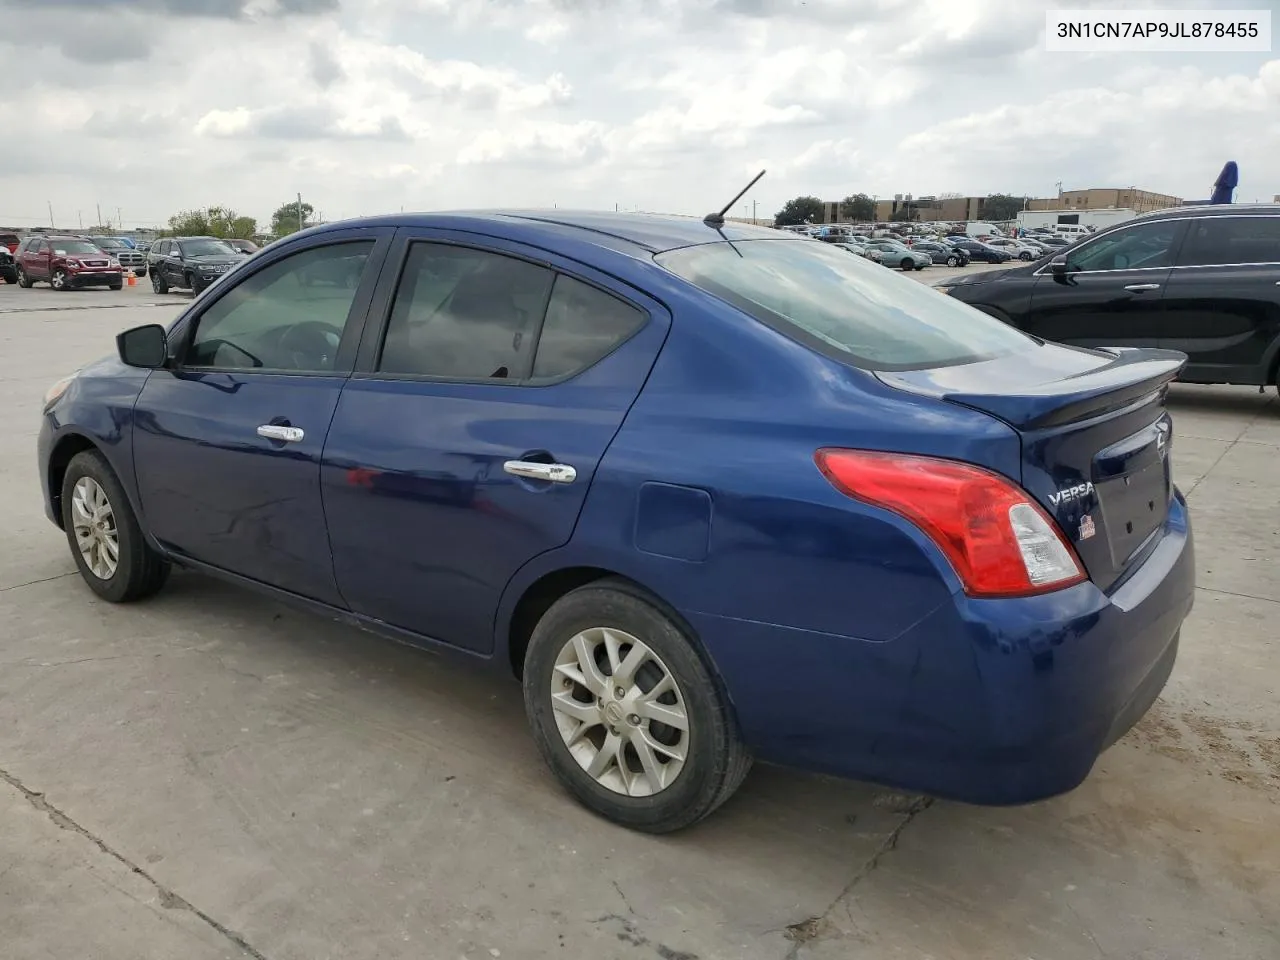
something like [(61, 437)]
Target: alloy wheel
[(94, 523), (620, 712), (59, 280)]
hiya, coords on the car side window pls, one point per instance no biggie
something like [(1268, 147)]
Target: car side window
[(1143, 245), (161, 248), (582, 326), (1215, 241), (464, 314), (288, 316)]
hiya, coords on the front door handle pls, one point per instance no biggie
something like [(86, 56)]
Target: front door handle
[(1142, 287), (532, 470), (274, 431)]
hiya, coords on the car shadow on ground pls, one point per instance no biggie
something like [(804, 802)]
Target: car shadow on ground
[(1247, 401)]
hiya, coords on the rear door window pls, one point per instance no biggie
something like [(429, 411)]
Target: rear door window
[(843, 306), (1216, 241), (465, 314)]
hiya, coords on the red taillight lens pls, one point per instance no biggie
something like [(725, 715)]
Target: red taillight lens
[(998, 540)]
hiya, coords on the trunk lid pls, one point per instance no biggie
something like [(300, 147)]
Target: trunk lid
[(1095, 439)]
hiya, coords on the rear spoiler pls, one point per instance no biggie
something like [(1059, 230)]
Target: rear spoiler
[(1135, 373)]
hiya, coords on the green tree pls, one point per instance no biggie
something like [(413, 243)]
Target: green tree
[(799, 210), (858, 207), (212, 222), (189, 223), (1002, 206), (285, 220)]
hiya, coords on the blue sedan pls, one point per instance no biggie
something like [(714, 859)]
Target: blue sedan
[(709, 492)]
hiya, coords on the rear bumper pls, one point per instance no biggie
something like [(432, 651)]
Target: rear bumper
[(983, 701)]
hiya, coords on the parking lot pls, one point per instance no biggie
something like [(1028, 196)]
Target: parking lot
[(209, 774)]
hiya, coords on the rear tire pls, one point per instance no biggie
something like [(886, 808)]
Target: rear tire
[(23, 280), (602, 619), (105, 537), (115, 286), (158, 283)]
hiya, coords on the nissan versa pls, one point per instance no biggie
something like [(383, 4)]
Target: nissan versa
[(712, 492)]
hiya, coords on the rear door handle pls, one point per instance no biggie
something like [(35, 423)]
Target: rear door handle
[(1142, 287), (274, 431), (531, 470)]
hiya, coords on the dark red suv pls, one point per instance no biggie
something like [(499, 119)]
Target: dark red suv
[(67, 263)]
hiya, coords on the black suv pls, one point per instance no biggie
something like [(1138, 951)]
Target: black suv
[(190, 262), (1203, 280)]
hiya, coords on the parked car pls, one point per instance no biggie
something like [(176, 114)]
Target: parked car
[(10, 241), (943, 253), (1200, 280), (861, 249), (66, 263), (893, 253), (1053, 240), (243, 246), (8, 266), (130, 259), (963, 572), (190, 262), (981, 252)]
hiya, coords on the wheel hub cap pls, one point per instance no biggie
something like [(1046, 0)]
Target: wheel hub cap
[(620, 712), (94, 524)]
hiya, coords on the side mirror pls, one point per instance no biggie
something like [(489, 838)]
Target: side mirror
[(1058, 267), (146, 346)]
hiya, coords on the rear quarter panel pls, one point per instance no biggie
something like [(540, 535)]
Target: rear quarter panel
[(734, 412)]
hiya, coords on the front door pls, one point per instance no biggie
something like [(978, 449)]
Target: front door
[(1223, 299), (464, 444), (227, 442), (1113, 290)]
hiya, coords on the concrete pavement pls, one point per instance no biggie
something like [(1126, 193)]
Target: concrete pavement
[(212, 774)]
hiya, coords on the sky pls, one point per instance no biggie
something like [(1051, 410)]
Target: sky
[(143, 108)]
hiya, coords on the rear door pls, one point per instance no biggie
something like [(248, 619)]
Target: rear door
[(465, 443), (35, 260), (1113, 291), (1222, 300)]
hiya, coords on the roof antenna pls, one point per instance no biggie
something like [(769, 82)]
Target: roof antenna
[(717, 219)]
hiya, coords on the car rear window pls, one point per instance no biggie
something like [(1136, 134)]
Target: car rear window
[(843, 306)]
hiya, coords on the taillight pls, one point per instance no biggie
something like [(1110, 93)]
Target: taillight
[(998, 540)]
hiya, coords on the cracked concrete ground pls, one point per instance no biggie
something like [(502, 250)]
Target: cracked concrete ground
[(213, 775)]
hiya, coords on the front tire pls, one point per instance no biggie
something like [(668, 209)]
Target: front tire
[(59, 280), (116, 286), (953, 261), (906, 263), (104, 535), (627, 714)]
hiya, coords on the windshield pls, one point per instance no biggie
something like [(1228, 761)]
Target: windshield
[(62, 248), (206, 248), (110, 243), (844, 307)]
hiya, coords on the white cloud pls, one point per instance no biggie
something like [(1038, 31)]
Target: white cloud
[(369, 105)]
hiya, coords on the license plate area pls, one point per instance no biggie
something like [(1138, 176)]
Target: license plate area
[(1133, 507)]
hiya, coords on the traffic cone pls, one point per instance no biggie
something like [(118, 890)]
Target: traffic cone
[(133, 277)]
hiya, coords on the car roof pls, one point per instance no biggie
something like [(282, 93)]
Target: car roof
[(652, 233), (1212, 210)]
